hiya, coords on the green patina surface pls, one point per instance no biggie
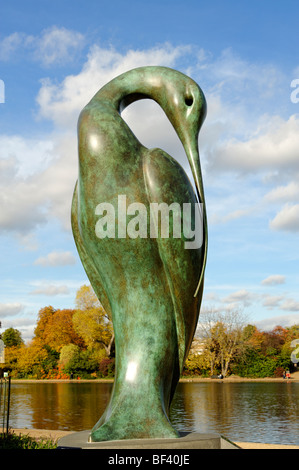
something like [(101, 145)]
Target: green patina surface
[(151, 287)]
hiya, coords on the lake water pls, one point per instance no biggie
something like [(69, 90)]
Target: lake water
[(248, 412)]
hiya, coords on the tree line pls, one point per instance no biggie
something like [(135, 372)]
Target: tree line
[(232, 347), (79, 343)]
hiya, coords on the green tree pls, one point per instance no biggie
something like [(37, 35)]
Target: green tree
[(12, 337), (67, 353), (265, 353), (81, 362), (50, 362)]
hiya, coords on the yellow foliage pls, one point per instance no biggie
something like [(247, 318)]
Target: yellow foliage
[(90, 320), (30, 355)]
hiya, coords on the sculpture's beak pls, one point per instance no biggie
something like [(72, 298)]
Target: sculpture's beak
[(191, 150)]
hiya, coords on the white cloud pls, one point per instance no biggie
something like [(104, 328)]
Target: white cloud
[(287, 219), (56, 258), (288, 193), (290, 305), (52, 46), (10, 44), (32, 194), (21, 208), (274, 279), (275, 145), (234, 215), (281, 302), (51, 290), (242, 295), (28, 241), (272, 301), (58, 45), (25, 190), (229, 68), (285, 321), (8, 309), (23, 157)]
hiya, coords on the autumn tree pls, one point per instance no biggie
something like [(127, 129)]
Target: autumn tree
[(273, 340), (196, 364), (62, 330), (31, 358), (44, 323), (211, 349), (222, 334), (55, 328), (12, 354), (91, 321), (254, 341)]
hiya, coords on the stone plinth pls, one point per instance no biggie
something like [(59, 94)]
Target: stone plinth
[(79, 440)]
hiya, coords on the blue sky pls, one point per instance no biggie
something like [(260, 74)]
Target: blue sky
[(54, 55)]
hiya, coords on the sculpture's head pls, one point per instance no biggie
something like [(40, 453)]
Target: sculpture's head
[(178, 95), (185, 106)]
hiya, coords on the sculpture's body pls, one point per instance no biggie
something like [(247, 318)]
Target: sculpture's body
[(152, 287)]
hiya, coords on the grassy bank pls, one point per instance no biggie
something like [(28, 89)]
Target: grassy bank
[(24, 441)]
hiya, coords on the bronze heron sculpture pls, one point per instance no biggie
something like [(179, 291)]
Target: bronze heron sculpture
[(151, 286)]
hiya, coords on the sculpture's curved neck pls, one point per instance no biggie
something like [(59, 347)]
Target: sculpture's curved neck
[(134, 85)]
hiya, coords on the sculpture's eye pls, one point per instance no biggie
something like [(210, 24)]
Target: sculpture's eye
[(189, 100)]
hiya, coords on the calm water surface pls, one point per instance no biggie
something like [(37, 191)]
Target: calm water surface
[(253, 412)]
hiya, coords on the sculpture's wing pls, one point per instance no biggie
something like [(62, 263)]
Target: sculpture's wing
[(90, 269), (167, 182)]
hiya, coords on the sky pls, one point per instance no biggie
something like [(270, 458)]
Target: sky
[(55, 55)]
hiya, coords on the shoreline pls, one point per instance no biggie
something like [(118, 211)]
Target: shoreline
[(55, 435), (233, 379)]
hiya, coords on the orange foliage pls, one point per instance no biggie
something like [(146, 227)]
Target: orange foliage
[(55, 328), (55, 374)]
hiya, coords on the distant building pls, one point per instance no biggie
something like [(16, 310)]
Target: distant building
[(197, 347)]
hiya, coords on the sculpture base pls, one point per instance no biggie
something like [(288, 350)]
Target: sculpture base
[(79, 440)]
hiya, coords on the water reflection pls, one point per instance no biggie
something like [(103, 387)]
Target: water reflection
[(257, 412), (58, 405)]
